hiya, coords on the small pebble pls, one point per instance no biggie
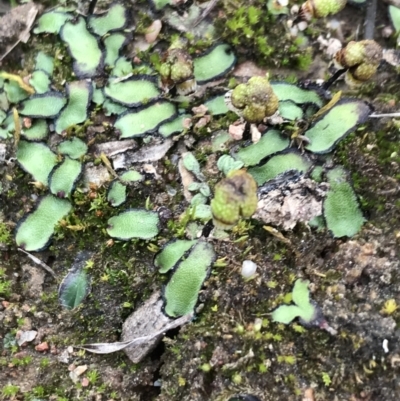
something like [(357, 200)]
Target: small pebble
[(85, 382), (42, 347), (248, 269)]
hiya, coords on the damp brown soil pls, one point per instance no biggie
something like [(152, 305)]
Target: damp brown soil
[(224, 350)]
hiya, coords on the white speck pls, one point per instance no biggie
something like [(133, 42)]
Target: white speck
[(248, 269), (302, 25), (385, 345)]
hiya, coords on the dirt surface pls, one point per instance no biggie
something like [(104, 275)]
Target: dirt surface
[(231, 347)]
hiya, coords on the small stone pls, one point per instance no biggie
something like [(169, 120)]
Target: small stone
[(79, 370), (236, 131), (44, 346), (63, 357), (308, 394), (85, 382), (26, 336)]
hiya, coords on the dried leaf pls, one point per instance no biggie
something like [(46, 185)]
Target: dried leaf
[(107, 348)]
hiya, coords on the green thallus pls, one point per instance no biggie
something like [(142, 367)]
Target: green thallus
[(306, 310)]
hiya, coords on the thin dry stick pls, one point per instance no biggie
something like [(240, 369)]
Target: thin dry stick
[(39, 262), (206, 11), (384, 115), (370, 20)]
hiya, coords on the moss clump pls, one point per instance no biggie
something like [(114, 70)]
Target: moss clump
[(253, 31)]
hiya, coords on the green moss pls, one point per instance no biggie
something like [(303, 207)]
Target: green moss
[(5, 234), (253, 31)]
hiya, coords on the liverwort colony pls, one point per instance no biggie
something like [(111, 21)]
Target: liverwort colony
[(178, 158)]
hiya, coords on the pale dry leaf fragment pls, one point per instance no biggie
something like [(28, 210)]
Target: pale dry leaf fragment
[(115, 147), (187, 178), (151, 153)]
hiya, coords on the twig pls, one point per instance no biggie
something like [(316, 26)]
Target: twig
[(370, 20), (206, 11), (39, 262), (384, 115), (92, 6), (333, 78)]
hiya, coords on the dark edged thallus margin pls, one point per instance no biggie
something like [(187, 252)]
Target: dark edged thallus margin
[(51, 22), (285, 91), (64, 176), (281, 162), (117, 190), (76, 110), (172, 252), (173, 127), (147, 119), (336, 123), (46, 105), (116, 18), (290, 110), (214, 63), (83, 47), (181, 293), (28, 156), (216, 105), (74, 148), (14, 92), (271, 142), (133, 92), (34, 230), (121, 68), (113, 45)]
